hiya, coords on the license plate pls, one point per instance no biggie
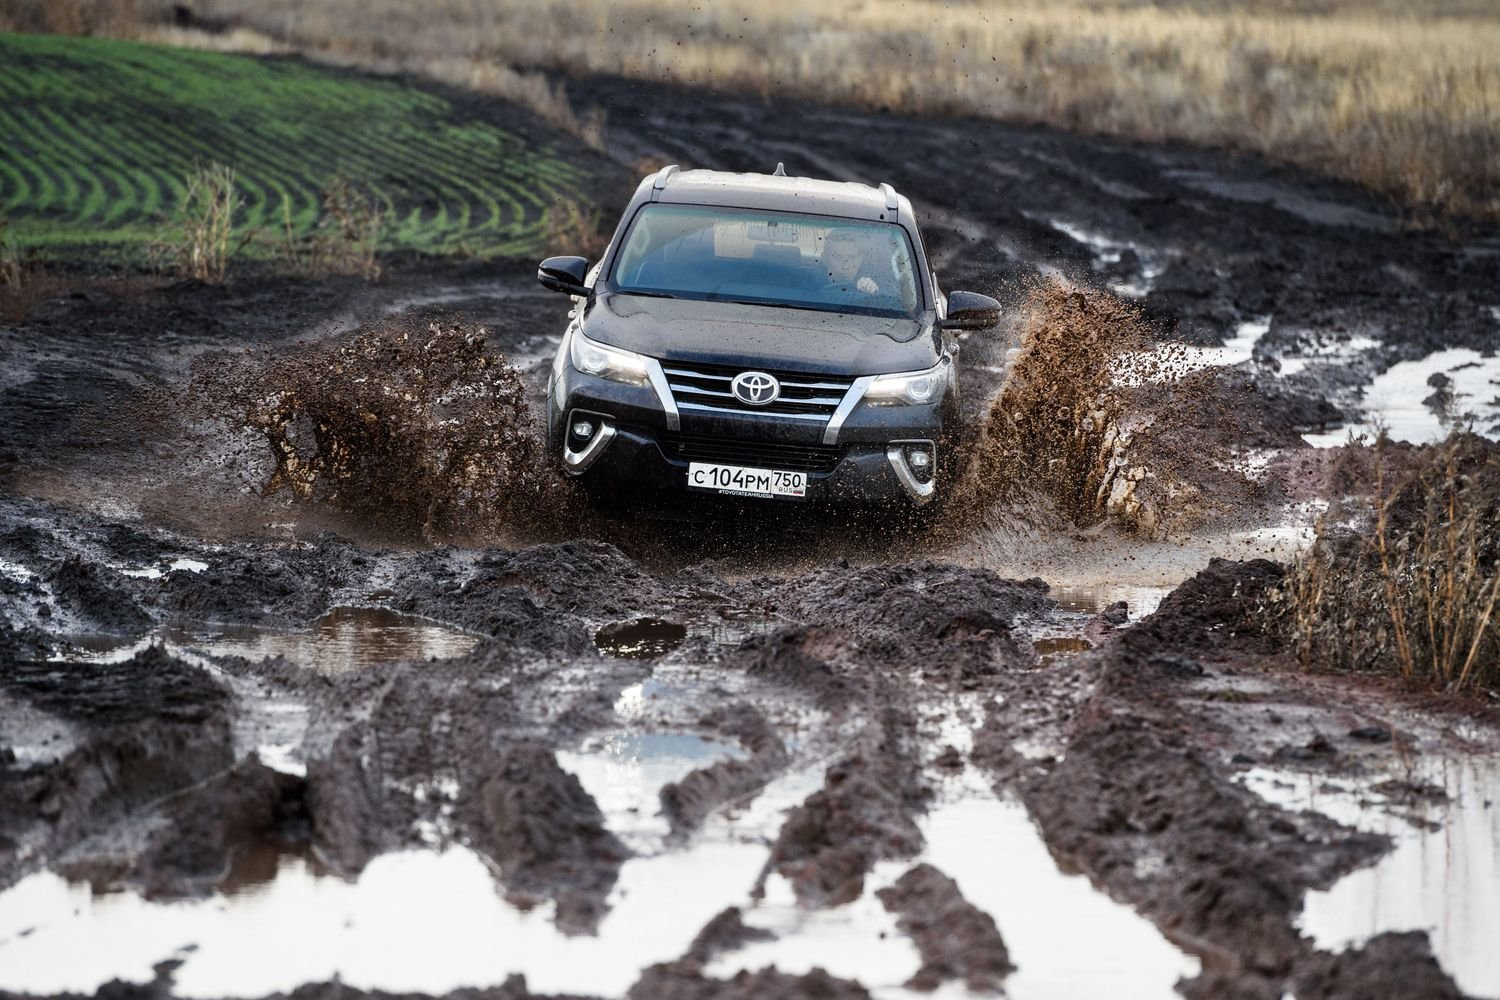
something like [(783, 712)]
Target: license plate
[(735, 480)]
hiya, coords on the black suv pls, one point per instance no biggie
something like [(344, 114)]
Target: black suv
[(759, 336)]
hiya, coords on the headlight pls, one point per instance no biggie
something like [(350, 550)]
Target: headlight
[(907, 388), (593, 358)]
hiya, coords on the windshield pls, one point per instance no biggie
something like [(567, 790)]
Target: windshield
[(769, 258)]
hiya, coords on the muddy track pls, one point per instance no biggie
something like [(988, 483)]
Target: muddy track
[(796, 716)]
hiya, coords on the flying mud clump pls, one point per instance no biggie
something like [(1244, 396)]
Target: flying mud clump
[(415, 431)]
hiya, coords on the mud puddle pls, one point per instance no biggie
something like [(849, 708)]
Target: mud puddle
[(345, 639), (640, 638), (1420, 401), (444, 906), (1064, 937), (1442, 875), (441, 905)]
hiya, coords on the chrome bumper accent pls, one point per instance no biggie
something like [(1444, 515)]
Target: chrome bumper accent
[(575, 462), (920, 492)]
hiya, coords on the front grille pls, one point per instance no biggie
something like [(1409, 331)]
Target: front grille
[(759, 454), (701, 388)]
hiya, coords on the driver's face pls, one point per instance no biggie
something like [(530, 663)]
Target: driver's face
[(843, 262)]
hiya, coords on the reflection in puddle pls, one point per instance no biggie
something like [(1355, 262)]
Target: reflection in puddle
[(626, 771), (1445, 881), (1066, 938), (343, 640), (1139, 601), (640, 639), (1047, 649), (1396, 400)]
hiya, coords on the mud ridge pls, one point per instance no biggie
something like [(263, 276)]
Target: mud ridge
[(957, 940)]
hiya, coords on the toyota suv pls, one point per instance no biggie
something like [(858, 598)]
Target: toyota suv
[(759, 336)]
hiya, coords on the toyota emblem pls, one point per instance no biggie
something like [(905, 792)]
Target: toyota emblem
[(755, 388)]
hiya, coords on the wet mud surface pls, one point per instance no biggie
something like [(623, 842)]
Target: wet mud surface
[(784, 709)]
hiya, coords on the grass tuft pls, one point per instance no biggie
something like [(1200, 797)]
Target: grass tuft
[(1411, 585)]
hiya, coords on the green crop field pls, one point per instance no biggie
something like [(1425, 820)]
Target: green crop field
[(97, 138)]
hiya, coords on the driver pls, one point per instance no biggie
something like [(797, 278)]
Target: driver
[(844, 260)]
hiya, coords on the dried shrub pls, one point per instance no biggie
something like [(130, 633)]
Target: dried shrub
[(418, 431), (200, 240), (575, 229), (1410, 585), (346, 238), (23, 281)]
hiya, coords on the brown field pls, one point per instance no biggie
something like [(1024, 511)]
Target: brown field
[(1406, 104)]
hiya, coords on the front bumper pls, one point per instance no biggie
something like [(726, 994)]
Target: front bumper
[(637, 453), (635, 464)]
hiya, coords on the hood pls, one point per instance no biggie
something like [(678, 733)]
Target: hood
[(751, 336)]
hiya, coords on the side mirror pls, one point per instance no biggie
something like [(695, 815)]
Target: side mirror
[(971, 311), (564, 274)]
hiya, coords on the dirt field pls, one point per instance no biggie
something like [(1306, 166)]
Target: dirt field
[(257, 745)]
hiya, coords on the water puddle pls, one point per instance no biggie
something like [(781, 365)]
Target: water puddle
[(444, 905), (1442, 876), (1293, 202), (1145, 264), (626, 771), (441, 905), (1049, 649), (156, 572), (640, 639), (343, 640), (1139, 601), (1066, 939), (1397, 399), (1335, 353)]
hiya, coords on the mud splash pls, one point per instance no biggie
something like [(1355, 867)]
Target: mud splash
[(416, 431), (1060, 412), (1102, 418)]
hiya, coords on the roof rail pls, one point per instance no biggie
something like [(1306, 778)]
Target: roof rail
[(662, 177), (890, 197)]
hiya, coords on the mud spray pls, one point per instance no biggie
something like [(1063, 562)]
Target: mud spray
[(1098, 419), (424, 432), (420, 431)]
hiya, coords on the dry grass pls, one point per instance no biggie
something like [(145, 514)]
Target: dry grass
[(1413, 588), (116, 18), (200, 237), (24, 282), (575, 229), (1406, 104), (344, 241)]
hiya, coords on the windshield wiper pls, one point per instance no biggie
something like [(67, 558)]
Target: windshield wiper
[(646, 294)]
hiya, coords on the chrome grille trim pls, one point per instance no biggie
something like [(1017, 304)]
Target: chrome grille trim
[(706, 389), (663, 393), (852, 399)]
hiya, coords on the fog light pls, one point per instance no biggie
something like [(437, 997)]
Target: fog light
[(919, 458), (583, 430)]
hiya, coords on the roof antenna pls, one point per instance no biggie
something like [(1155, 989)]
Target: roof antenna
[(780, 170)]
